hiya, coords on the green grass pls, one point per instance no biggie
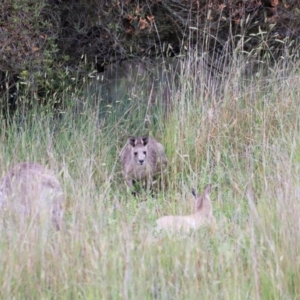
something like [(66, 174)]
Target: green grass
[(249, 139)]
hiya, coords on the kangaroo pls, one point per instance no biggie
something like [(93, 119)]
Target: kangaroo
[(30, 190), (203, 215), (141, 158)]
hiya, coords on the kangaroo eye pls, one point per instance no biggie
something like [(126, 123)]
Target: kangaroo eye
[(145, 152), (135, 153)]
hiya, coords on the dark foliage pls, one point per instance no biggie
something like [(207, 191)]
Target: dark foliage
[(44, 43)]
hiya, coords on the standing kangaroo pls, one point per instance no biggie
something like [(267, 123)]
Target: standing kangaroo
[(203, 215), (141, 158), (30, 190)]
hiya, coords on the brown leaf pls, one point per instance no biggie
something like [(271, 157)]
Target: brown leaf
[(150, 18), (143, 24)]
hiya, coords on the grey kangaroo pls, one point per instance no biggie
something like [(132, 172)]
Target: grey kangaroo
[(30, 190), (141, 158)]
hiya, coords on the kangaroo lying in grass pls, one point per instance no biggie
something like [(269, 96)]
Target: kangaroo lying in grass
[(30, 190), (203, 215), (141, 158)]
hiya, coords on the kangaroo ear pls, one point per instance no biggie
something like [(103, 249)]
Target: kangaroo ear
[(131, 141), (145, 139), (207, 190), (194, 193)]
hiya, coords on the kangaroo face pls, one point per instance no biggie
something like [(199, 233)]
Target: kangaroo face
[(202, 201), (140, 155), (139, 149)]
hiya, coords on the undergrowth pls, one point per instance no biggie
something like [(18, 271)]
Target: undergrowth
[(245, 142)]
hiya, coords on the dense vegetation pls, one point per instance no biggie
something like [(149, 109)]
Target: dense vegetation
[(246, 145), (46, 44), (243, 138)]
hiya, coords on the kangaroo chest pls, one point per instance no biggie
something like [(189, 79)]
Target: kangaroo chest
[(140, 172)]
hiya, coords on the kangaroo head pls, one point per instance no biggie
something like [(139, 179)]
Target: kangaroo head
[(199, 199), (139, 148)]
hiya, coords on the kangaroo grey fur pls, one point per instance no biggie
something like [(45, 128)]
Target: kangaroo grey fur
[(202, 215), (141, 158), (29, 189)]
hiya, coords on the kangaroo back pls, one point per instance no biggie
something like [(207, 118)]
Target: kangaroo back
[(202, 215), (30, 190)]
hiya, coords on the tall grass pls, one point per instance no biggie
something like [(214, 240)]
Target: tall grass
[(246, 143)]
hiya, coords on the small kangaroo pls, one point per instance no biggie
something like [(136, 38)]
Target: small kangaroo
[(203, 215), (141, 158), (30, 190)]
